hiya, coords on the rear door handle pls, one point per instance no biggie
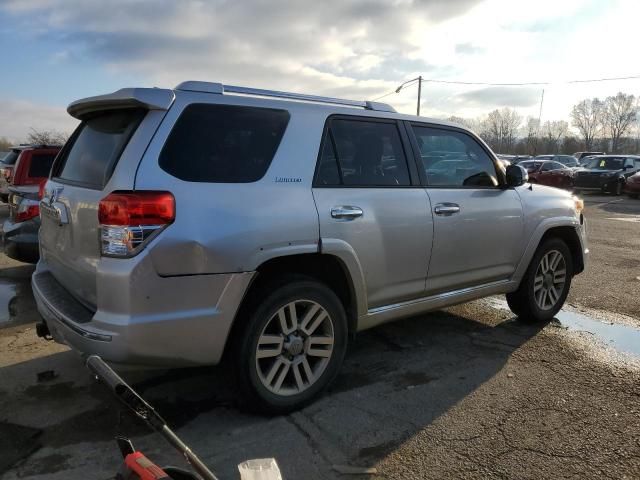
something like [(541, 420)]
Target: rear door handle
[(446, 208), (347, 212)]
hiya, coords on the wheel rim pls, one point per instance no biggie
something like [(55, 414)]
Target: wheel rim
[(294, 347), (551, 276)]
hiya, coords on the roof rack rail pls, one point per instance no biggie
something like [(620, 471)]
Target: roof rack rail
[(210, 87)]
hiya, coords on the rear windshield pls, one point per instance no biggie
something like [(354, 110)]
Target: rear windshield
[(222, 143), (41, 164), (11, 157), (90, 156)]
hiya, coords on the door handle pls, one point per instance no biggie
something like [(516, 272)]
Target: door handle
[(347, 212), (446, 208)]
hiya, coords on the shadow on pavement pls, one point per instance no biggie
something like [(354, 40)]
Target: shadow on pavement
[(397, 379)]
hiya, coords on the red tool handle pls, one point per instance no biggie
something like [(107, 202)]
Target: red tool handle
[(144, 468)]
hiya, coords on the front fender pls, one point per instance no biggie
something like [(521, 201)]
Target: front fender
[(534, 241)]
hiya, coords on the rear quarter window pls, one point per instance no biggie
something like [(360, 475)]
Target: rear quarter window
[(223, 143)]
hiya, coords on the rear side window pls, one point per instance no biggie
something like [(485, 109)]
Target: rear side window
[(94, 149), (223, 143), (362, 153), (41, 164)]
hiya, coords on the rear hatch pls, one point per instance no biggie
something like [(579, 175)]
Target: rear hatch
[(101, 156)]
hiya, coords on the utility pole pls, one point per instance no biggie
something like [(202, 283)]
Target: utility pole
[(535, 146), (412, 81), (419, 93)]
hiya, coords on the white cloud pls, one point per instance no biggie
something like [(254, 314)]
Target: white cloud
[(17, 117), (357, 48)]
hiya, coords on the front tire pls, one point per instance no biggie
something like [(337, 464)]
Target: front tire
[(292, 346), (618, 190), (545, 285)]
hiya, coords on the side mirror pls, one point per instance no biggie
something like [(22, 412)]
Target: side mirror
[(516, 176)]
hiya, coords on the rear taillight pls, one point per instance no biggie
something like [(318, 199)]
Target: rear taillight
[(26, 210), (41, 189), (129, 219)]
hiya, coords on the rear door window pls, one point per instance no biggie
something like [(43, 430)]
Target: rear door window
[(223, 143), (362, 153), (90, 156), (41, 164)]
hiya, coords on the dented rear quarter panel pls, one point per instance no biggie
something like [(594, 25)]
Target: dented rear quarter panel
[(235, 227)]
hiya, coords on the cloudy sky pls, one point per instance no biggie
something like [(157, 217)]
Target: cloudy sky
[(55, 51)]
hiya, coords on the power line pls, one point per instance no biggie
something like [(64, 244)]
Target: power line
[(518, 84)]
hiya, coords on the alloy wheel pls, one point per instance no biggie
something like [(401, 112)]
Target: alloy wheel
[(294, 347), (550, 279)]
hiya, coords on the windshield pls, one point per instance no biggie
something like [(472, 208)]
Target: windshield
[(530, 166), (11, 157), (605, 163)]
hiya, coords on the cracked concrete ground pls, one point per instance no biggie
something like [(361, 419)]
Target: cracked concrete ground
[(466, 392)]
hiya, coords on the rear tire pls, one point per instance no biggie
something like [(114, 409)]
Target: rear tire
[(545, 285), (291, 347)]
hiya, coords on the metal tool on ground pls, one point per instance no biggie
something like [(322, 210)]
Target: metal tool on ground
[(136, 464)]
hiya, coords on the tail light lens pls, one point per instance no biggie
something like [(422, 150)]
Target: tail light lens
[(26, 210), (41, 189), (128, 220)]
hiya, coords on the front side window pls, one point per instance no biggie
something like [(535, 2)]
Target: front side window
[(362, 153), (454, 159), (223, 143)]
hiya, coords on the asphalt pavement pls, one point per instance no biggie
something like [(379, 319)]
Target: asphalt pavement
[(466, 392)]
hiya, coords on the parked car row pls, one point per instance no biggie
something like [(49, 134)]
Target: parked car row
[(23, 173), (583, 171)]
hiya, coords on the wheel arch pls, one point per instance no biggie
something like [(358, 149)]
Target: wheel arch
[(326, 268), (565, 229)]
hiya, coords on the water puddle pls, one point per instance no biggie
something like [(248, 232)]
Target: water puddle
[(623, 338), (7, 294)]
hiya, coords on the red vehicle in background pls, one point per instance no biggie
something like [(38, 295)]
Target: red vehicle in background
[(549, 172), (632, 186), (22, 182)]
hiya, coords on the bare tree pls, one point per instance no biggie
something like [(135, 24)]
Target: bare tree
[(5, 144), (587, 117), (619, 114), (554, 133), (46, 137), (499, 129)]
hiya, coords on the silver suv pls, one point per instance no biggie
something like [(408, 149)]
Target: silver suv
[(180, 226)]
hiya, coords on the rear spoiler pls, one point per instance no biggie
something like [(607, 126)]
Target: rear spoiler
[(149, 98)]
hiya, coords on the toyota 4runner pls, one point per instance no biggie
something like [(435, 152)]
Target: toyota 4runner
[(180, 226)]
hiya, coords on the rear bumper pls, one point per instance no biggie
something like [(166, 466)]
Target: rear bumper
[(185, 332), (21, 240)]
